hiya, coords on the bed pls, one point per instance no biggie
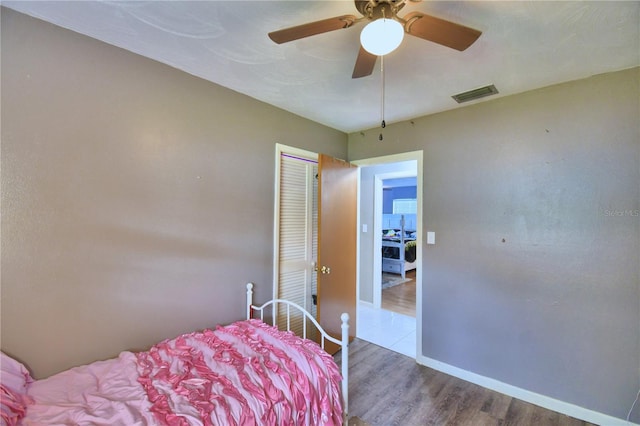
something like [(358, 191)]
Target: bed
[(398, 243), (250, 372)]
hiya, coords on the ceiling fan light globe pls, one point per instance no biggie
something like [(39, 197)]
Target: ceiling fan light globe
[(382, 36)]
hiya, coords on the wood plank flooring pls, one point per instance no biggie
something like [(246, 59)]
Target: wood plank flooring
[(387, 388), (401, 298)]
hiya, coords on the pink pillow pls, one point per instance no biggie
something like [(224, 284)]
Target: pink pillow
[(14, 381)]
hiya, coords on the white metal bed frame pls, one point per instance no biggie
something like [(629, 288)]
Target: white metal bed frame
[(343, 342)]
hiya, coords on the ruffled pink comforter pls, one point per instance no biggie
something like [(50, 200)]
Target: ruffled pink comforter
[(246, 373)]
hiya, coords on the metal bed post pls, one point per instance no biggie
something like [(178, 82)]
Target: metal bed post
[(345, 364), (249, 299)]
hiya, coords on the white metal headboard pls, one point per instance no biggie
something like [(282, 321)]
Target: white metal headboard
[(343, 342)]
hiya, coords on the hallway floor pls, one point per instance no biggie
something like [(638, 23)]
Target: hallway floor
[(388, 329)]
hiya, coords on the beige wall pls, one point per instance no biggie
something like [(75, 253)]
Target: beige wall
[(137, 200), (534, 279)]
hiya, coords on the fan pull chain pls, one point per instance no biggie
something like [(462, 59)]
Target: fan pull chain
[(382, 124)]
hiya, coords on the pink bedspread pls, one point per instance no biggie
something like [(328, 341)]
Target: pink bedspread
[(101, 393), (246, 373)]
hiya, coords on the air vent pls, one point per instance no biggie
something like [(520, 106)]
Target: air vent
[(474, 94)]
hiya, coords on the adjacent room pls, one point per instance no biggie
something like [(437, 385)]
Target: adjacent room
[(142, 188)]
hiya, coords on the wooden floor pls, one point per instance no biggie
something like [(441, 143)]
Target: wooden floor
[(387, 388), (401, 298)]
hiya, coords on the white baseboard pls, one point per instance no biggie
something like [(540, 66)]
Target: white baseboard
[(525, 395)]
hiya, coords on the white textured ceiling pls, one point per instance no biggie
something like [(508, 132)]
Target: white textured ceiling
[(524, 45)]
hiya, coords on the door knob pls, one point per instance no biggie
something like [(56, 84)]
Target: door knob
[(325, 270)]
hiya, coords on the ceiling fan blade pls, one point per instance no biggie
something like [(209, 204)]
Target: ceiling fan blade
[(364, 64), (439, 31), (312, 28)]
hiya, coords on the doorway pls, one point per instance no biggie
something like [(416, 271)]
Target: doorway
[(398, 332)]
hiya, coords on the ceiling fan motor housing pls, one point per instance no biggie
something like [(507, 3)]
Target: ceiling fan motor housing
[(376, 9)]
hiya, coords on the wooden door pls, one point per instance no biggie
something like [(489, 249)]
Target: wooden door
[(337, 223)]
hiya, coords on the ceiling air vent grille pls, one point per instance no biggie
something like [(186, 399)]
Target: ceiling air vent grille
[(474, 94)]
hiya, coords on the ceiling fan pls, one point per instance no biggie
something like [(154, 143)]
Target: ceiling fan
[(417, 24)]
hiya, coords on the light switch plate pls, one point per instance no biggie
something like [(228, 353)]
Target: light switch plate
[(431, 237)]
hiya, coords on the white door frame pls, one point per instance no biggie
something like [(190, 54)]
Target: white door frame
[(377, 255)]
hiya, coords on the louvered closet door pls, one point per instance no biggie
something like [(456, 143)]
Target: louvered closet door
[(298, 234)]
